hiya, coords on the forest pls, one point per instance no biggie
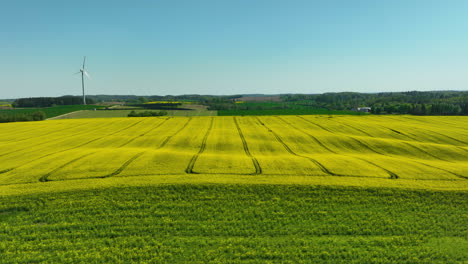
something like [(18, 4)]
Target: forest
[(413, 103), (50, 101)]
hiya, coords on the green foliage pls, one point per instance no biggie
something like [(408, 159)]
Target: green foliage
[(415, 103), (235, 223), (143, 100), (50, 101), (164, 106), (35, 114), (31, 116), (146, 113), (273, 108), (286, 112), (38, 115)]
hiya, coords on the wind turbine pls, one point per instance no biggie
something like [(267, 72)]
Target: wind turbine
[(83, 73)]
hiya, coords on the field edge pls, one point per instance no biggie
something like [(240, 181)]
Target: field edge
[(143, 181)]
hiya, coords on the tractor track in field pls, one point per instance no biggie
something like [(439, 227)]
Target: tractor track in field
[(452, 138), (271, 174), (362, 144), (123, 167), (308, 134), (425, 152), (417, 140), (258, 168), (390, 173), (45, 177), (5, 171), (75, 147), (148, 131), (413, 160), (427, 123), (355, 128), (320, 126), (449, 137), (189, 169), (175, 133), (394, 131), (288, 149), (451, 172), (105, 177), (391, 129), (432, 131), (47, 135), (44, 143), (393, 175), (411, 145), (428, 153), (405, 142), (136, 156)]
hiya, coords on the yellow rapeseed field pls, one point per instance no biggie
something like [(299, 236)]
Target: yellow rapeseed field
[(391, 151)]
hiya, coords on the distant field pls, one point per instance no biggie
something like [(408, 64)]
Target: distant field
[(253, 189), (49, 111), (124, 113)]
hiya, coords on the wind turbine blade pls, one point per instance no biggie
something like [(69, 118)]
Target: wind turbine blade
[(84, 60), (78, 72), (87, 75)]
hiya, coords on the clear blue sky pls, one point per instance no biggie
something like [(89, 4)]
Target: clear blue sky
[(232, 47)]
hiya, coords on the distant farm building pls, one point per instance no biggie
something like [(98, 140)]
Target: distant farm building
[(364, 109)]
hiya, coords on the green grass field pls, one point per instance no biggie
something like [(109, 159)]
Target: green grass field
[(230, 189)]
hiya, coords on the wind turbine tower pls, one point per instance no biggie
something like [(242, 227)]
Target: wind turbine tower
[(83, 73)]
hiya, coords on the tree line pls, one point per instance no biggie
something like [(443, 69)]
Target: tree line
[(147, 113), (50, 101), (414, 103), (18, 117)]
